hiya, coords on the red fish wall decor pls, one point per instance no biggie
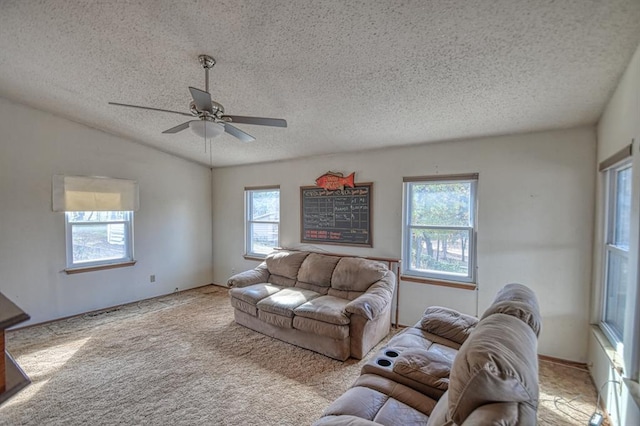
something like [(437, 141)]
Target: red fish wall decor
[(332, 181)]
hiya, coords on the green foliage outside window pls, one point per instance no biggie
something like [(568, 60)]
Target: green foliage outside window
[(440, 206)]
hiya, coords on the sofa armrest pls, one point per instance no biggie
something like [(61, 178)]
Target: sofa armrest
[(447, 323), (253, 276), (375, 299)]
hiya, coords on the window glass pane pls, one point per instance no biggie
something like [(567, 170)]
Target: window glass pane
[(98, 242), (617, 275), (264, 237), (439, 251), (265, 206), (75, 217), (623, 208), (441, 204)]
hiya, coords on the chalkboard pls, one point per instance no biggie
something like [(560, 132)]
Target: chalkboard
[(340, 217)]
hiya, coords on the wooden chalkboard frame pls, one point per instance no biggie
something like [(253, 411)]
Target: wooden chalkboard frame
[(338, 193)]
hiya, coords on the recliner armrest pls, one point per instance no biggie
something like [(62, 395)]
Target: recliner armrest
[(447, 323), (375, 299), (253, 276)]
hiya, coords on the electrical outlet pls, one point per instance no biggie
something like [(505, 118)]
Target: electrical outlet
[(152, 278), (233, 271)]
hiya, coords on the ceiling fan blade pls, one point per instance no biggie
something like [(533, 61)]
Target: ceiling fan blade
[(234, 131), (202, 99), (260, 121), (149, 108), (178, 128)]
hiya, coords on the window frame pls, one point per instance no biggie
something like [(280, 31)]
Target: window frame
[(249, 220), (128, 257), (407, 228), (609, 246)]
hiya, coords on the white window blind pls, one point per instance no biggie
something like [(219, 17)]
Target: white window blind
[(84, 193)]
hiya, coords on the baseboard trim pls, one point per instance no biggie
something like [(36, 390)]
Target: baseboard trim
[(574, 364), (110, 307)]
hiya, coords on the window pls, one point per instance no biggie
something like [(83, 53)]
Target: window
[(98, 215), (616, 250), (439, 227), (262, 220), (96, 238)]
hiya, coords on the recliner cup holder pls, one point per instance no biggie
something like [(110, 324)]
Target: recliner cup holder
[(383, 362), (391, 354)]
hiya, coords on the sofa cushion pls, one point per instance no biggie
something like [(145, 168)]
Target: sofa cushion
[(406, 395), (321, 328), (317, 269), (358, 401), (448, 323), (254, 293), (316, 288), (342, 294), (384, 401), (431, 368), (286, 263), (413, 337), (286, 300), (281, 281), (519, 301), (244, 306), (356, 274), (325, 308), (275, 319), (497, 363)]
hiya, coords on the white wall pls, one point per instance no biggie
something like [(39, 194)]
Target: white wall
[(536, 202), (172, 228), (618, 126)]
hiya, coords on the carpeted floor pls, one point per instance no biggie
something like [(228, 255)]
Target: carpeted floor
[(181, 360)]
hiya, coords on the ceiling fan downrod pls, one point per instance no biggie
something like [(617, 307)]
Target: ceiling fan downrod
[(207, 63)]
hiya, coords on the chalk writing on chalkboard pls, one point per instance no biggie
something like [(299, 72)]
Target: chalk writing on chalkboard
[(342, 216)]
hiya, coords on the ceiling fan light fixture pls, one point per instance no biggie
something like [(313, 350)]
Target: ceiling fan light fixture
[(206, 129)]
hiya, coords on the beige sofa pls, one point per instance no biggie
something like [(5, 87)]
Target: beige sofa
[(339, 306), (451, 369)]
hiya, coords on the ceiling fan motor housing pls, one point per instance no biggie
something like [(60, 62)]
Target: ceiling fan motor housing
[(216, 110)]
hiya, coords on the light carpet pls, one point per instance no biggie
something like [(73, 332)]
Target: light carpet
[(181, 360)]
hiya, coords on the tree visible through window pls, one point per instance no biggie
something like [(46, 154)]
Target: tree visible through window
[(262, 220), (439, 228)]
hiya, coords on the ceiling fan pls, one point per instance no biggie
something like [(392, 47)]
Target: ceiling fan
[(210, 119)]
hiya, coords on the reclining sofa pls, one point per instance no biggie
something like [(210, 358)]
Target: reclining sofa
[(339, 306), (451, 369)]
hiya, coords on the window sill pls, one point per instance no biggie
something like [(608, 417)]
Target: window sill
[(443, 283), (99, 267), (254, 257), (614, 357)]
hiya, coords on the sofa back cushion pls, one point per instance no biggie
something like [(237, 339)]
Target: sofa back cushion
[(519, 301), (355, 274), (497, 363), (316, 271), (284, 265)]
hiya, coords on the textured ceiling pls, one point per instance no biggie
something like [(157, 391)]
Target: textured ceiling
[(346, 75)]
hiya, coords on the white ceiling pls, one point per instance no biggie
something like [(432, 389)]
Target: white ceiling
[(346, 75)]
